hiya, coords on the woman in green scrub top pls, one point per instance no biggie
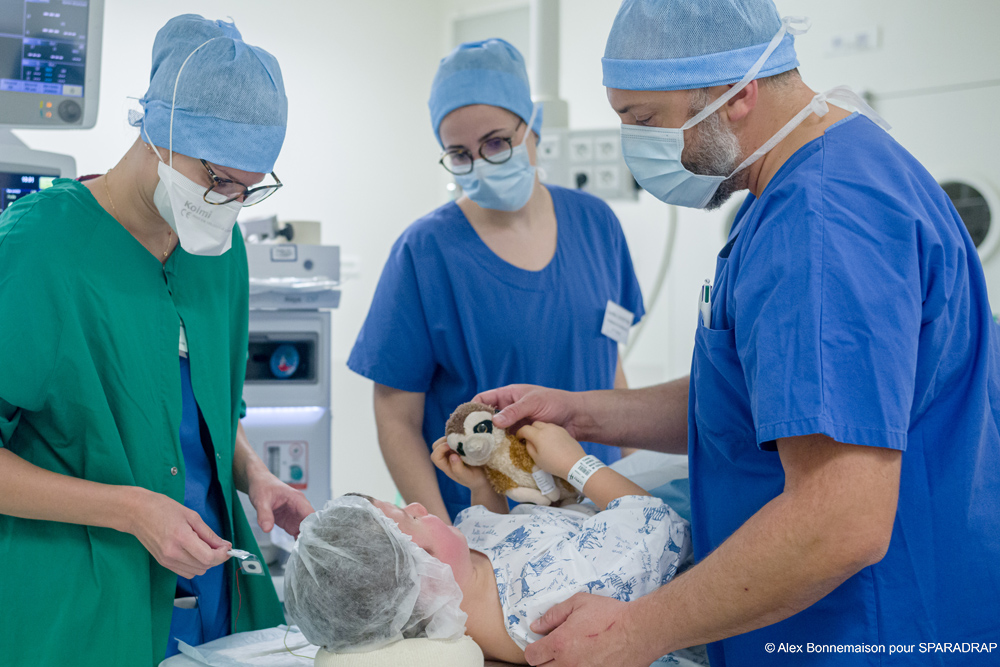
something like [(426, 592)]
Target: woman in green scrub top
[(123, 342)]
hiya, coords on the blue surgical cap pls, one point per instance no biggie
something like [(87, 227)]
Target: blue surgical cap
[(231, 108), (488, 72), (684, 44)]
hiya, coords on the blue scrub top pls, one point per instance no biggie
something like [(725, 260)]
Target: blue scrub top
[(210, 618), (850, 301), (450, 318)]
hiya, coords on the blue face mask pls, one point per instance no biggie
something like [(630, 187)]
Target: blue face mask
[(506, 186), (653, 154), (501, 187)]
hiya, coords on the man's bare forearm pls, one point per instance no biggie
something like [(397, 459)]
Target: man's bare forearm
[(834, 518), (649, 418)]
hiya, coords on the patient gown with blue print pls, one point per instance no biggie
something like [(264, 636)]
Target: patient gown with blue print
[(542, 556)]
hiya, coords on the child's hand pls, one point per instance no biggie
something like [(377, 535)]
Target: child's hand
[(555, 451), (451, 464)]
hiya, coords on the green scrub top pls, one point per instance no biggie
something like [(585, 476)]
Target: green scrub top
[(90, 387)]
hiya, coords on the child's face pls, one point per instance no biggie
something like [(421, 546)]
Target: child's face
[(444, 542)]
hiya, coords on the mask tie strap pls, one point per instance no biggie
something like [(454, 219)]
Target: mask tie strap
[(795, 25), (817, 105), (845, 94)]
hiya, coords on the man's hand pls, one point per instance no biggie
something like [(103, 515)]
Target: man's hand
[(521, 404), (554, 450), (278, 503), (586, 631), (176, 536)]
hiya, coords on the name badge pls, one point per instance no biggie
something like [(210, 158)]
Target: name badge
[(617, 322)]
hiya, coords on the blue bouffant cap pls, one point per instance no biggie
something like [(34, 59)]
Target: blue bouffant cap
[(684, 44), (231, 108), (487, 72)]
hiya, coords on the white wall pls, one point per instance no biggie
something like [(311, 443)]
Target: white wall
[(360, 157)]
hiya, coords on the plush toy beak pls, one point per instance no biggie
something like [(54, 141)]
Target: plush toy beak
[(475, 449)]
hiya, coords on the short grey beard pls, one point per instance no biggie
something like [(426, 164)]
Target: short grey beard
[(715, 152)]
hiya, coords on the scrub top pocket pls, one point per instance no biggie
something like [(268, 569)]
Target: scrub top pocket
[(185, 625), (719, 394), (722, 444)]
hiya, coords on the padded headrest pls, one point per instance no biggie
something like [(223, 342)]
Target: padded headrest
[(420, 652)]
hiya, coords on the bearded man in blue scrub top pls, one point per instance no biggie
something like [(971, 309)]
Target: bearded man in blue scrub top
[(842, 412)]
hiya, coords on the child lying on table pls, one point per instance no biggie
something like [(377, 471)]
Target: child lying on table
[(365, 572)]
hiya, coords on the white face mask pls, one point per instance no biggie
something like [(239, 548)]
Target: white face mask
[(202, 228)]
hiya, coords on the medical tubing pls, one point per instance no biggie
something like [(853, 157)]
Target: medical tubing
[(239, 594), (661, 275), (288, 648)]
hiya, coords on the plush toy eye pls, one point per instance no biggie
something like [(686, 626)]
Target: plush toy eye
[(485, 426)]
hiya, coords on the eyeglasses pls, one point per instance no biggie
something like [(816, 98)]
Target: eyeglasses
[(495, 150), (224, 190)]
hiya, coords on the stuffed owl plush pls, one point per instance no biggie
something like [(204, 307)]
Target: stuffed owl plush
[(504, 458)]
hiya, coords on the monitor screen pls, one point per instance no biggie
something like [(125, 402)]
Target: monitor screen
[(13, 186), (49, 61)]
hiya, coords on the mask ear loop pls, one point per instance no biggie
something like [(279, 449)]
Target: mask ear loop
[(795, 25), (173, 102), (149, 143), (531, 121)]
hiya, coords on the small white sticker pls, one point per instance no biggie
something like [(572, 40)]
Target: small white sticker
[(182, 347), (284, 252), (546, 484), (617, 322)]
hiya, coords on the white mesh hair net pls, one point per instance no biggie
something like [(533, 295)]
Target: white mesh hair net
[(354, 582)]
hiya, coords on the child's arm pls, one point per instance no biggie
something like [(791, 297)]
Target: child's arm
[(451, 464), (555, 451)]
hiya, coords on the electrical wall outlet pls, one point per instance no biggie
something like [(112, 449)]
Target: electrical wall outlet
[(850, 42), (589, 160), (606, 147), (549, 146), (581, 148)]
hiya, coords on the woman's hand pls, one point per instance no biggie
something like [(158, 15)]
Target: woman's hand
[(555, 451), (277, 503), (482, 492), (451, 464), (176, 536)]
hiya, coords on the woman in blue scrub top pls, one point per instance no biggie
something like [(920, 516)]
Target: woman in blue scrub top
[(508, 284)]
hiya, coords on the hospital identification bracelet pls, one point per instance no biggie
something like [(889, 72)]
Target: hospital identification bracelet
[(582, 470)]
